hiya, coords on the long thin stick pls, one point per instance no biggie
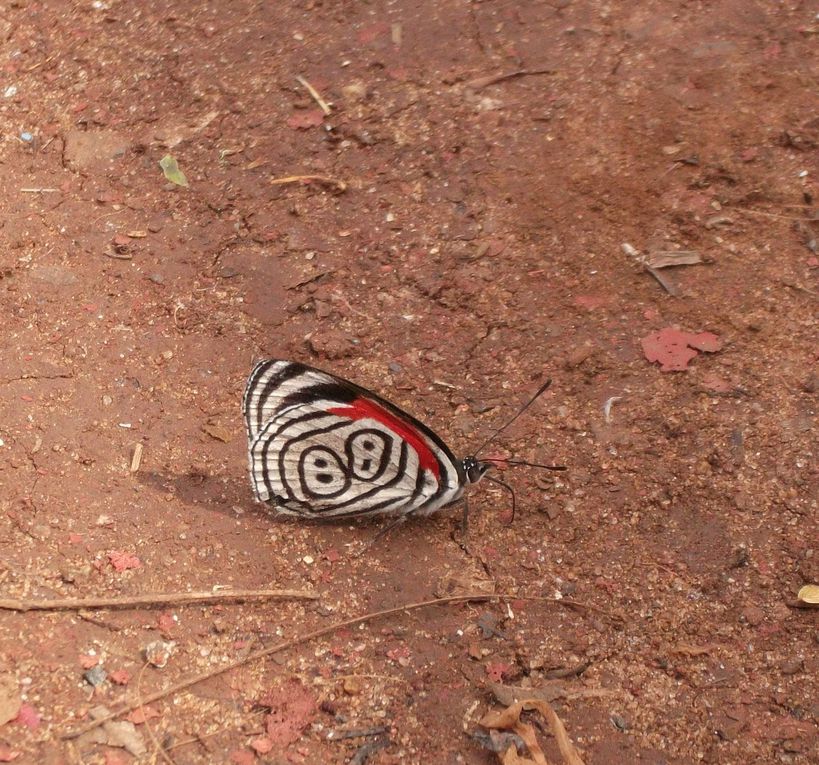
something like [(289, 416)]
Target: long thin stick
[(492, 79), (198, 678), (158, 599), (194, 679), (765, 214)]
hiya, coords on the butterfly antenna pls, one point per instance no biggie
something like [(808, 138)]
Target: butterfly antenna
[(523, 462), (508, 488), (500, 430)]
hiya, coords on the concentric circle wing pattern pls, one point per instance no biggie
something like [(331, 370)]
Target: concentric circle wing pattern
[(320, 446)]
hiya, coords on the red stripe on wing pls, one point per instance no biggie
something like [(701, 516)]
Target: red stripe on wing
[(362, 408)]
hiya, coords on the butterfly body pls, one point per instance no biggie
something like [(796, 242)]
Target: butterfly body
[(322, 447)]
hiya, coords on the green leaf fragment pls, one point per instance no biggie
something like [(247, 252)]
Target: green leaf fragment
[(172, 172)]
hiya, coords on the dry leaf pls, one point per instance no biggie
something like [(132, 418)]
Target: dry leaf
[(509, 694), (667, 258), (9, 698), (809, 594), (673, 348), (509, 719), (219, 432), (170, 168), (140, 715), (691, 650), (464, 583), (7, 754), (120, 677), (119, 733), (511, 757), (122, 561)]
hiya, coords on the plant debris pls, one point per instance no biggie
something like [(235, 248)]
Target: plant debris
[(368, 749), (123, 561), (809, 594), (322, 180), (219, 432), (7, 754), (10, 700), (669, 258), (674, 348), (158, 652), (170, 168), (292, 708), (509, 719), (117, 733)]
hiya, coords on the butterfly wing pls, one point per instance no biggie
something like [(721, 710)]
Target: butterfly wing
[(323, 447)]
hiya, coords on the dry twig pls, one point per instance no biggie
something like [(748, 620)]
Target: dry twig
[(310, 636), (158, 599), (484, 82), (158, 748), (322, 179)]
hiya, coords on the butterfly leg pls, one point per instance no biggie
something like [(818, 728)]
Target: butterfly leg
[(383, 532), (465, 518)]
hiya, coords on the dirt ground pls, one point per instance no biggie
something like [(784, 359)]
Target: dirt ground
[(465, 244)]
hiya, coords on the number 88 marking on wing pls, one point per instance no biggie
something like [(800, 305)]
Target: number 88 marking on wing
[(324, 473)]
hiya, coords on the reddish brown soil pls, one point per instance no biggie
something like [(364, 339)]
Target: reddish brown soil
[(475, 251)]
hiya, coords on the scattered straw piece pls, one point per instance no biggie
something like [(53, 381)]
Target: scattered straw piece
[(314, 93), (136, 457), (322, 179), (484, 82)]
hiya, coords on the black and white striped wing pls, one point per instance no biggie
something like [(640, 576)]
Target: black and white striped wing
[(323, 447)]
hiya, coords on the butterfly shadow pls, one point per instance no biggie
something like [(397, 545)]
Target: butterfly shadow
[(216, 493), (230, 497)]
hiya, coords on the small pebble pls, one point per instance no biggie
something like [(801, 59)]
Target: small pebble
[(753, 615), (619, 723), (95, 676), (352, 686), (308, 559), (158, 652), (791, 666)]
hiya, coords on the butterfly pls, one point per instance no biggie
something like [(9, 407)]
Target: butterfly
[(320, 447)]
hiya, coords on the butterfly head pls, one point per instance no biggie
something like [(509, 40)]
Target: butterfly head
[(474, 469)]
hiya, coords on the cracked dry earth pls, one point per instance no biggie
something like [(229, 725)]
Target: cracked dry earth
[(475, 250)]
